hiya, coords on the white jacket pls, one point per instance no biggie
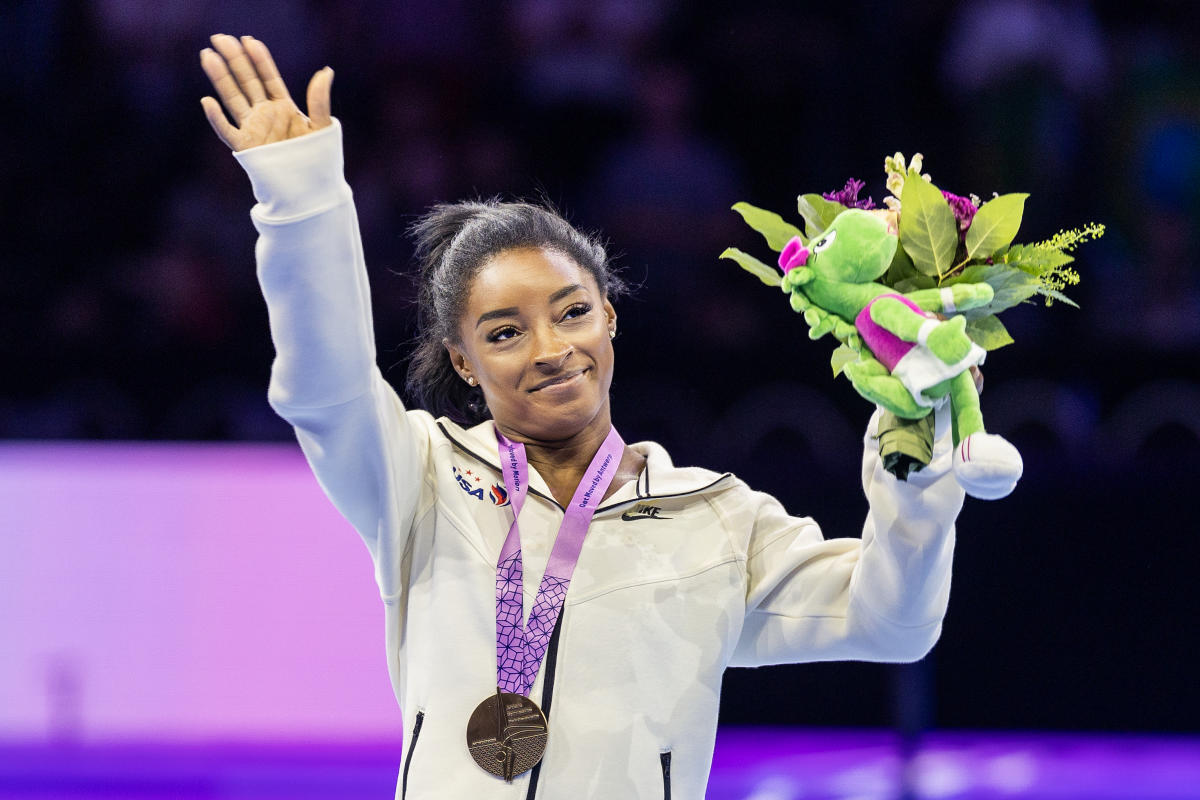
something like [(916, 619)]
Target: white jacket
[(683, 573)]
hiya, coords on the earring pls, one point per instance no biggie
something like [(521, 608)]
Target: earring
[(470, 381), (612, 333)]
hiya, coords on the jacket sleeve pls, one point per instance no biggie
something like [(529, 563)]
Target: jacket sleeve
[(878, 598), (365, 450)]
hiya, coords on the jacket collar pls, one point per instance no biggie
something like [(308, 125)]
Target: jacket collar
[(659, 479)]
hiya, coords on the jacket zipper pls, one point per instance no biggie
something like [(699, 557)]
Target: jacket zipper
[(550, 665), (665, 760), (412, 746)]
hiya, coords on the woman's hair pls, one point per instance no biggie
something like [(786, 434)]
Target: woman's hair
[(453, 242)]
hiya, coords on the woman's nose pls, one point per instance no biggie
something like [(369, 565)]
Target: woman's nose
[(552, 350)]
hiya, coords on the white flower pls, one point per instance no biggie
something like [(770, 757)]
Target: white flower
[(897, 170)]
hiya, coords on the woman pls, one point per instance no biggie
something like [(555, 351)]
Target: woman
[(683, 571)]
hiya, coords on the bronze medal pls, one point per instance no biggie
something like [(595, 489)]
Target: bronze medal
[(507, 734)]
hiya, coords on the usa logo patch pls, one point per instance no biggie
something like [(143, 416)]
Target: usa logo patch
[(472, 484)]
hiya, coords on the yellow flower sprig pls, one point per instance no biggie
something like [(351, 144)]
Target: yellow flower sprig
[(1071, 238)]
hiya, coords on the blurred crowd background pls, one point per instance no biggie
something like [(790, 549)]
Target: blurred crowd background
[(129, 307)]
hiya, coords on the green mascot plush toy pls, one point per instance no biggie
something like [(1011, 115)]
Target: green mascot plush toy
[(909, 360)]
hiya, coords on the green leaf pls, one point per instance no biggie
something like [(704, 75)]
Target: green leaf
[(988, 332), (928, 231), (1036, 259), (1046, 291), (817, 212), (758, 269), (902, 270), (958, 277), (777, 231), (1011, 286), (995, 225), (843, 355)]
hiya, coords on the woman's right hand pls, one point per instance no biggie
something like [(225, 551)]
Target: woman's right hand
[(246, 79)]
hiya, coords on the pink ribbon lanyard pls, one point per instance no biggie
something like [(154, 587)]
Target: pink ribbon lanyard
[(520, 648)]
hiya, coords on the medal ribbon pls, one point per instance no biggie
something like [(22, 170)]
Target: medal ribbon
[(520, 648)]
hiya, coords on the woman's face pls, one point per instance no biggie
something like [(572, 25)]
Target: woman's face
[(536, 335)]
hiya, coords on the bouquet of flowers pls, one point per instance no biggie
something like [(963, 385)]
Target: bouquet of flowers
[(921, 279)]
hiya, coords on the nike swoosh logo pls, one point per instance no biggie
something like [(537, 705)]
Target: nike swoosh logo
[(627, 517)]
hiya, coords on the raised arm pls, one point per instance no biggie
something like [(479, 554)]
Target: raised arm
[(878, 598), (367, 452)]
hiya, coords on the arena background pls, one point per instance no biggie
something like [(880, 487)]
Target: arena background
[(129, 309)]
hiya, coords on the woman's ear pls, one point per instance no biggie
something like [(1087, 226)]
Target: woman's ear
[(610, 314), (458, 360)]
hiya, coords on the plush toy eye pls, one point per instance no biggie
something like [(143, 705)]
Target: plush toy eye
[(824, 242)]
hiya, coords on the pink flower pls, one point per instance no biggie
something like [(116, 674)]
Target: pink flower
[(964, 211), (848, 196)]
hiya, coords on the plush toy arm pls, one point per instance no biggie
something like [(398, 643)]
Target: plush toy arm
[(949, 299), (820, 321), (947, 340), (872, 380), (796, 277)]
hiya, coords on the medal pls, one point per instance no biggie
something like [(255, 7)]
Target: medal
[(507, 732)]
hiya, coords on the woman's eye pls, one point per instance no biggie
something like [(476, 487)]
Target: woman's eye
[(502, 334), (577, 310)]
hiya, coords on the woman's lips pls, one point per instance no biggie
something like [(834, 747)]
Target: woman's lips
[(566, 379)]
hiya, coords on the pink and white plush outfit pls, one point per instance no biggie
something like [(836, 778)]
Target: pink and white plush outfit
[(912, 363)]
